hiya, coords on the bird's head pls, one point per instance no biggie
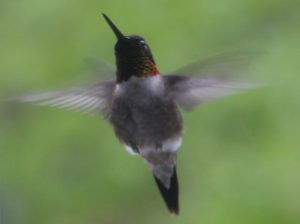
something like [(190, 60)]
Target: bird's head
[(133, 55)]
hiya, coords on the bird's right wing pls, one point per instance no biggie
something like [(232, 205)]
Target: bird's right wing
[(209, 79), (231, 66), (88, 99), (190, 91)]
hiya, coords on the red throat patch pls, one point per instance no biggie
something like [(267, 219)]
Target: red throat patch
[(148, 68)]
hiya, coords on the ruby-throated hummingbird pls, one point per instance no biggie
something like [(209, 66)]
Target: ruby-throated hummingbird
[(143, 107)]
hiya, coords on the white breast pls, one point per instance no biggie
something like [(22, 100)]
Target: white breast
[(154, 84), (141, 85)]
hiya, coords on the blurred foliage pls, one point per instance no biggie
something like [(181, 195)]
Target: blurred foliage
[(239, 162)]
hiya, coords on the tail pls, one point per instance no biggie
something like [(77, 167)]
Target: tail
[(170, 194)]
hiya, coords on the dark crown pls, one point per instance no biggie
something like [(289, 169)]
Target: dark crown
[(133, 55)]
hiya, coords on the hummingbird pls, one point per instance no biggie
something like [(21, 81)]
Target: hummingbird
[(143, 107)]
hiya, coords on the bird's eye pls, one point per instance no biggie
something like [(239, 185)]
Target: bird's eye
[(143, 44)]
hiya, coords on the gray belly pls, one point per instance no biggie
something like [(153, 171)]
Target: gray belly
[(145, 119)]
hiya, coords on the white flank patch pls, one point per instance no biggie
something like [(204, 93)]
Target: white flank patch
[(171, 145), (130, 150)]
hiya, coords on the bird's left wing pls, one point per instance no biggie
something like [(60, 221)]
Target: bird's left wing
[(189, 91), (88, 99)]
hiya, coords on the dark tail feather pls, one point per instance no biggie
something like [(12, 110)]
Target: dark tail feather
[(170, 195)]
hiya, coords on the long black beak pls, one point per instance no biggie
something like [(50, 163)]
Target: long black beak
[(117, 32)]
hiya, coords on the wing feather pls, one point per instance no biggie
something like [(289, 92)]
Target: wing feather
[(88, 99), (189, 92)]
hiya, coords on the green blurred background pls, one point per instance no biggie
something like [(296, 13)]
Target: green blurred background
[(239, 162)]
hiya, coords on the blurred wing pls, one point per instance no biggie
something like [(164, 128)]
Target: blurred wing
[(89, 99), (188, 92), (99, 69), (227, 65)]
